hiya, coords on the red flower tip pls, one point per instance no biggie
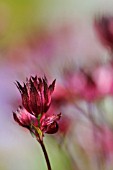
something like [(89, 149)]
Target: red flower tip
[(36, 94)]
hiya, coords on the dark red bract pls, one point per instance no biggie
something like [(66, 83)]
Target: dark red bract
[(24, 118), (48, 124)]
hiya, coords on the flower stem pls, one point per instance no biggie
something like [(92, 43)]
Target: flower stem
[(46, 155)]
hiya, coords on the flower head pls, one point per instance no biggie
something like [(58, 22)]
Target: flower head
[(36, 100)]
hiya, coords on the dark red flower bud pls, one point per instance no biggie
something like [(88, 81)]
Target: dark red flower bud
[(36, 95), (48, 124)]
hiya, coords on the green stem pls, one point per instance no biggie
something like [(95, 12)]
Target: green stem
[(46, 155)]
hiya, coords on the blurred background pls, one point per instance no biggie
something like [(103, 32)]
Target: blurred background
[(57, 39)]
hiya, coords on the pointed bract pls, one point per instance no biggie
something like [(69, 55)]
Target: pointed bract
[(24, 118)]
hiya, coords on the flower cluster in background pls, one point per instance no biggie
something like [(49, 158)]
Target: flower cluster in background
[(81, 95)]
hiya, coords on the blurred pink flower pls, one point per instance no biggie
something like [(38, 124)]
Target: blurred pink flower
[(103, 76), (90, 91), (81, 85), (104, 28)]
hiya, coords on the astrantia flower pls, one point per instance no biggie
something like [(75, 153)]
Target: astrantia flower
[(36, 100)]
